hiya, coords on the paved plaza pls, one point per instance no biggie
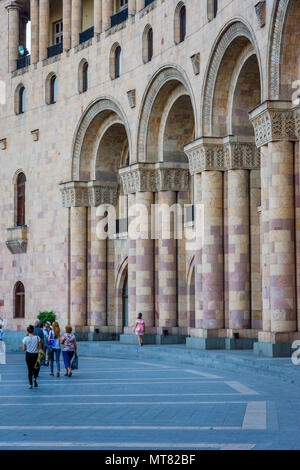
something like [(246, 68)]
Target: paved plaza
[(114, 403)]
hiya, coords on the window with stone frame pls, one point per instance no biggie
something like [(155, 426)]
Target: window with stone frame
[(19, 300), (20, 209)]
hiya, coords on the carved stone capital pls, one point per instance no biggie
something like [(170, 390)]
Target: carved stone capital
[(297, 122), (260, 10), (214, 154), (274, 121), (74, 194), (13, 5), (154, 177), (102, 193), (87, 194)]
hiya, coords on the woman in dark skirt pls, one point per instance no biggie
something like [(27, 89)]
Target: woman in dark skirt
[(31, 346)]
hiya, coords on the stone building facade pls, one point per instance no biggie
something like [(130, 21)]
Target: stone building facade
[(191, 102)]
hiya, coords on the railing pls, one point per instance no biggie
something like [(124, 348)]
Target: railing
[(119, 17), (86, 35), (23, 62), (54, 50), (147, 2), (189, 214), (121, 226)]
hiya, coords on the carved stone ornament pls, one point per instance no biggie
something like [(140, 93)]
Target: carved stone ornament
[(87, 194), (274, 121), (196, 63), (131, 98), (260, 10), (154, 177), (3, 144), (213, 154)]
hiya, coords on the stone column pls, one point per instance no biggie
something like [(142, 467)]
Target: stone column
[(97, 16), (78, 285), (34, 17), (76, 21), (145, 261), (13, 9), (67, 6), (97, 276), (167, 264), (107, 11), (275, 128), (198, 253), (238, 249), (265, 248), (212, 259), (44, 28), (131, 7), (140, 4), (282, 237), (131, 267)]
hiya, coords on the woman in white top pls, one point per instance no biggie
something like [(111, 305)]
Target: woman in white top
[(31, 346), (140, 328)]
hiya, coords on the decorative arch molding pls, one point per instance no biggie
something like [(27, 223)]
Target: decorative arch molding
[(279, 15), (159, 79), (245, 55), (236, 28), (96, 107)]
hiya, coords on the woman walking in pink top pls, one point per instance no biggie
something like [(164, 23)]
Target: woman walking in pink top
[(140, 328)]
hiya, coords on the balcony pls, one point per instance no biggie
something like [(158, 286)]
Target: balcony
[(23, 62), (17, 239), (86, 35), (121, 226), (119, 17), (147, 2), (54, 50)]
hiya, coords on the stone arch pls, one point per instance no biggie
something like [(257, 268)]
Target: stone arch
[(122, 272), (95, 115), (235, 37), (164, 82), (284, 50)]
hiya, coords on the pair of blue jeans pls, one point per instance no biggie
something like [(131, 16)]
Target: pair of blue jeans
[(54, 353), (67, 356)]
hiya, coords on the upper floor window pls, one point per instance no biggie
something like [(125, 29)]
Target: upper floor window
[(182, 20), (180, 23), (51, 88), (58, 32), (83, 76), (118, 62), (20, 100), (212, 9), (19, 300), (123, 4), (150, 44), (147, 44), (20, 212)]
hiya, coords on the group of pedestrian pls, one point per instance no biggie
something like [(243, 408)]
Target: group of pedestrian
[(52, 343)]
